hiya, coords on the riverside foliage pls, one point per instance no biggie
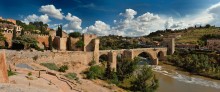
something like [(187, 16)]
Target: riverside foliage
[(129, 75), (201, 64)]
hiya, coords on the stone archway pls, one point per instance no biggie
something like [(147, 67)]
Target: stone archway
[(161, 56), (146, 57)]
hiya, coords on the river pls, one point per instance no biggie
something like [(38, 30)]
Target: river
[(173, 80)]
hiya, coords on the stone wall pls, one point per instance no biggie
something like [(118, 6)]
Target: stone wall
[(3, 68), (60, 43), (88, 44), (8, 37), (64, 57), (73, 42)]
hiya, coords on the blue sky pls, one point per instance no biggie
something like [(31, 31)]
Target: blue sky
[(121, 17)]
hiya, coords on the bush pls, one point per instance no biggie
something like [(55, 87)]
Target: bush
[(92, 63), (71, 76), (11, 73), (95, 72), (63, 68), (50, 66), (30, 73), (79, 44)]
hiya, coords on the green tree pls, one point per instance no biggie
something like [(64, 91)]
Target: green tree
[(63, 68), (95, 72), (145, 81), (2, 38), (24, 42), (126, 67), (79, 44), (50, 43), (59, 31), (14, 33), (108, 71), (75, 34), (22, 32)]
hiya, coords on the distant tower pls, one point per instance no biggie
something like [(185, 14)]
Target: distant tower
[(59, 31), (170, 44)]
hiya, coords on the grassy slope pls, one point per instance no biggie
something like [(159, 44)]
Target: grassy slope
[(193, 35)]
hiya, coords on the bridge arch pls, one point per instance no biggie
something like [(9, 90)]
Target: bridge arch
[(161, 56), (147, 57), (103, 58)]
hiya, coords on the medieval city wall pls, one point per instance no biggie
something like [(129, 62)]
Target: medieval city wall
[(58, 57)]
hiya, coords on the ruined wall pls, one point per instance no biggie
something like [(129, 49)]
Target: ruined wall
[(42, 39), (88, 44), (3, 68), (8, 37), (73, 42), (60, 43)]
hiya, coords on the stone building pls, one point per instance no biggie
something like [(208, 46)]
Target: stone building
[(213, 44)]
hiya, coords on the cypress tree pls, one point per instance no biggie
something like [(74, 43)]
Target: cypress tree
[(22, 32), (50, 43), (14, 33)]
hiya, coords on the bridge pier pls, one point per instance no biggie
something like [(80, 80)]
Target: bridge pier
[(112, 59)]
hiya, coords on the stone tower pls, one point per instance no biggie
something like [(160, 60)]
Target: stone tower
[(170, 44)]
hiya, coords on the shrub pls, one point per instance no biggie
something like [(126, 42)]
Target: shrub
[(71, 76), (95, 72), (79, 44), (50, 66), (63, 68), (92, 63), (11, 73), (30, 73)]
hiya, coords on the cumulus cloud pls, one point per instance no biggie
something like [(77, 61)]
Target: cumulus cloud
[(51, 10), (34, 17), (129, 13), (74, 23), (132, 25), (136, 26), (99, 28)]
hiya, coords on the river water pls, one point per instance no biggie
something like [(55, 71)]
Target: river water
[(173, 80)]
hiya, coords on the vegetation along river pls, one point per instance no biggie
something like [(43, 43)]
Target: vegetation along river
[(173, 80)]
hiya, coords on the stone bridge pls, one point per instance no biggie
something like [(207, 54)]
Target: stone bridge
[(155, 54)]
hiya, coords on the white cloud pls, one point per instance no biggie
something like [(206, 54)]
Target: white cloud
[(136, 26), (51, 10), (74, 23), (129, 13), (99, 28), (34, 17), (130, 25)]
